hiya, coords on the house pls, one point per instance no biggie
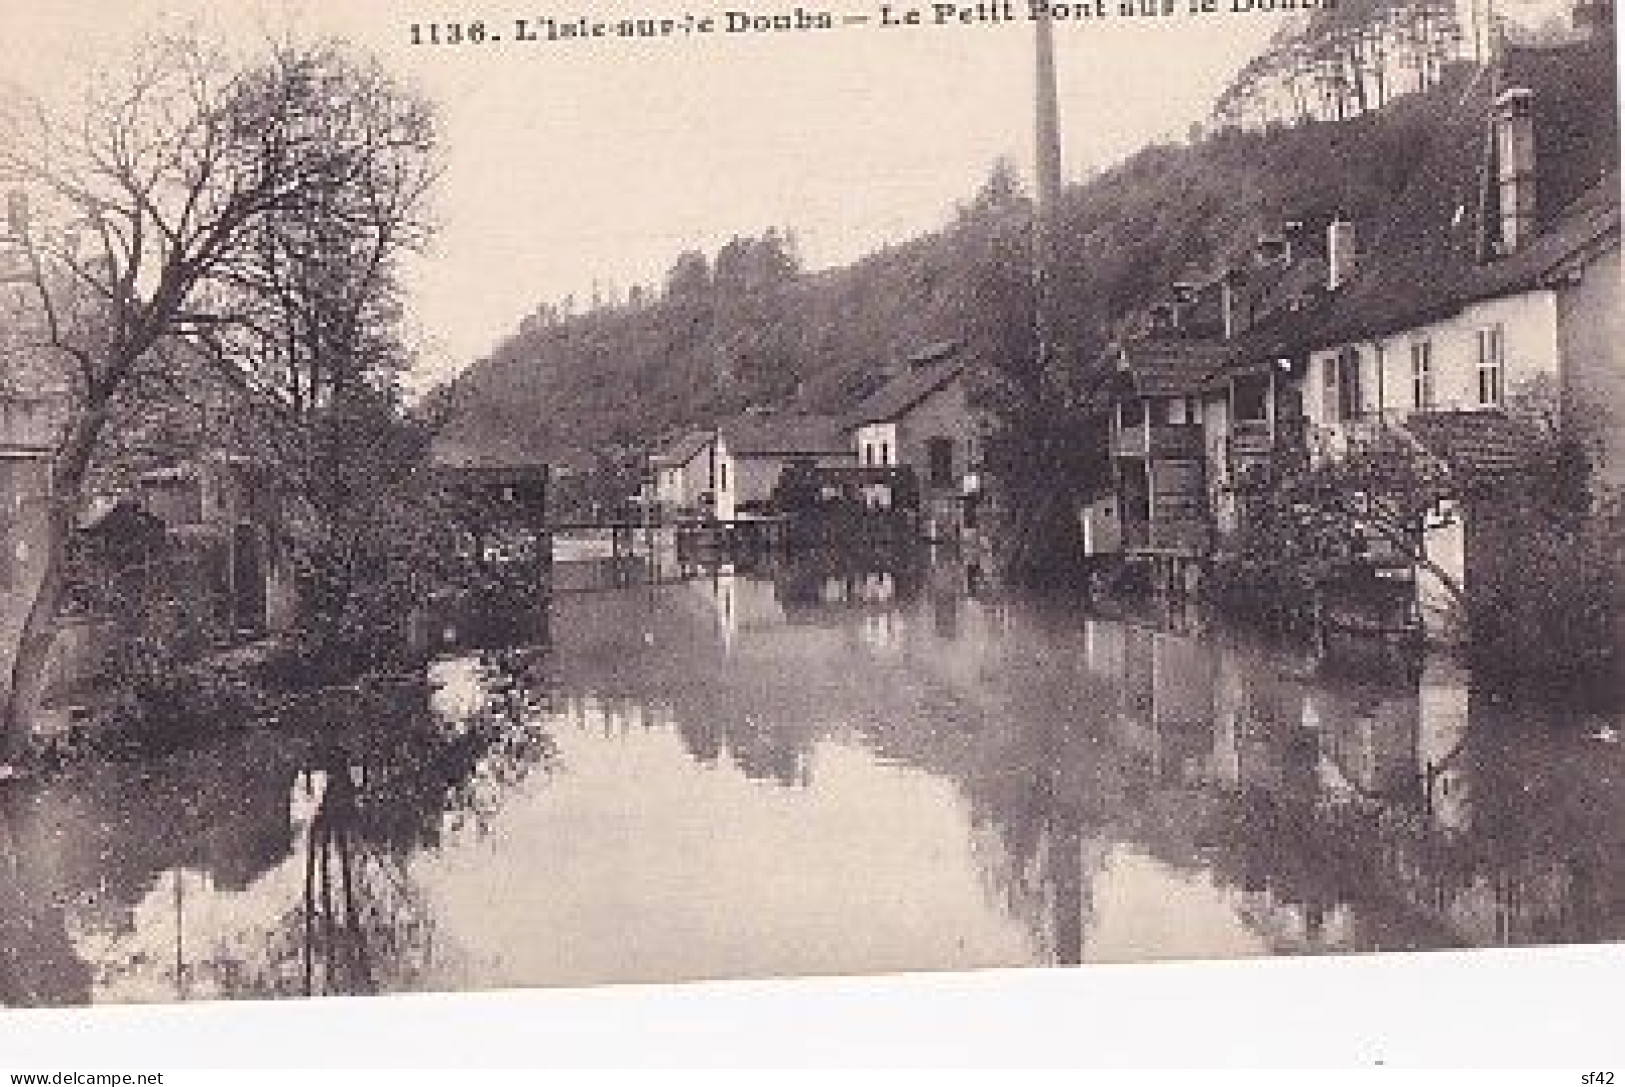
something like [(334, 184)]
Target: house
[(1495, 278), (920, 420), (225, 522), (501, 491), (682, 473), (1158, 447), (750, 453), (1497, 269)]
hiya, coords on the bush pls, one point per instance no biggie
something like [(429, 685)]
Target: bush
[(1549, 604)]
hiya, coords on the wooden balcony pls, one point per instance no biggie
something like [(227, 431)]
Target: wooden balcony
[(1169, 440), (1260, 437), (1251, 438)]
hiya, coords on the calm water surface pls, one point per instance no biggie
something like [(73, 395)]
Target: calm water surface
[(819, 766)]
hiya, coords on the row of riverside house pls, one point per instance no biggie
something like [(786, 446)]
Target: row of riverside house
[(1496, 270), (909, 448)]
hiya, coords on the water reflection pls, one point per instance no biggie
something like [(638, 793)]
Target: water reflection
[(264, 865), (818, 765), (1298, 804)]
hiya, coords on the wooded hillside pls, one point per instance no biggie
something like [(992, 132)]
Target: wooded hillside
[(749, 325)]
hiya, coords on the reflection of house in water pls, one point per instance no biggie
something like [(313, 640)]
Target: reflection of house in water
[(1399, 740), (1260, 738), (872, 593), (1444, 714), (1167, 702), (739, 603), (1368, 737)]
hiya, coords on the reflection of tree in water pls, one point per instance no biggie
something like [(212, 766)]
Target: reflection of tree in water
[(80, 852), (137, 866), (38, 964), (364, 926), (1027, 747), (1307, 800)]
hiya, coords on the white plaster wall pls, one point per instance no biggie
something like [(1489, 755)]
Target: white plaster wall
[(875, 439), (727, 483), (1216, 432), (669, 486), (1529, 325), (1591, 326), (1446, 546)]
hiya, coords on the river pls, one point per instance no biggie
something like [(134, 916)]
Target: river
[(820, 765)]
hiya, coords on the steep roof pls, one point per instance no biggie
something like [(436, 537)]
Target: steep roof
[(1162, 365), (1476, 444), (1428, 258), (925, 373), (783, 434), (683, 448)]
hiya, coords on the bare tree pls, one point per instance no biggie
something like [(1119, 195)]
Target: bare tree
[(174, 204)]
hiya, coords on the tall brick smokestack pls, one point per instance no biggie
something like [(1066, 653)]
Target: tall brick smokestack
[(1047, 137)]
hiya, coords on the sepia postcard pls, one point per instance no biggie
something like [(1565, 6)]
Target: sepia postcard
[(505, 497)]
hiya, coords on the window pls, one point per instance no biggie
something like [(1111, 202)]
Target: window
[(885, 454), (1251, 399), (869, 453), (1422, 374), (1491, 360), (1349, 398), (722, 477), (939, 456), (1342, 396)]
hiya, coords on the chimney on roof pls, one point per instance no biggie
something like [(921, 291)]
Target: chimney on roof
[(1234, 304), (1514, 123), (1342, 256)]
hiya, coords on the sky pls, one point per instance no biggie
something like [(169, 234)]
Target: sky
[(577, 163)]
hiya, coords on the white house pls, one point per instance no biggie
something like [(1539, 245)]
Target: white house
[(1493, 278), (682, 473), (1471, 305)]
